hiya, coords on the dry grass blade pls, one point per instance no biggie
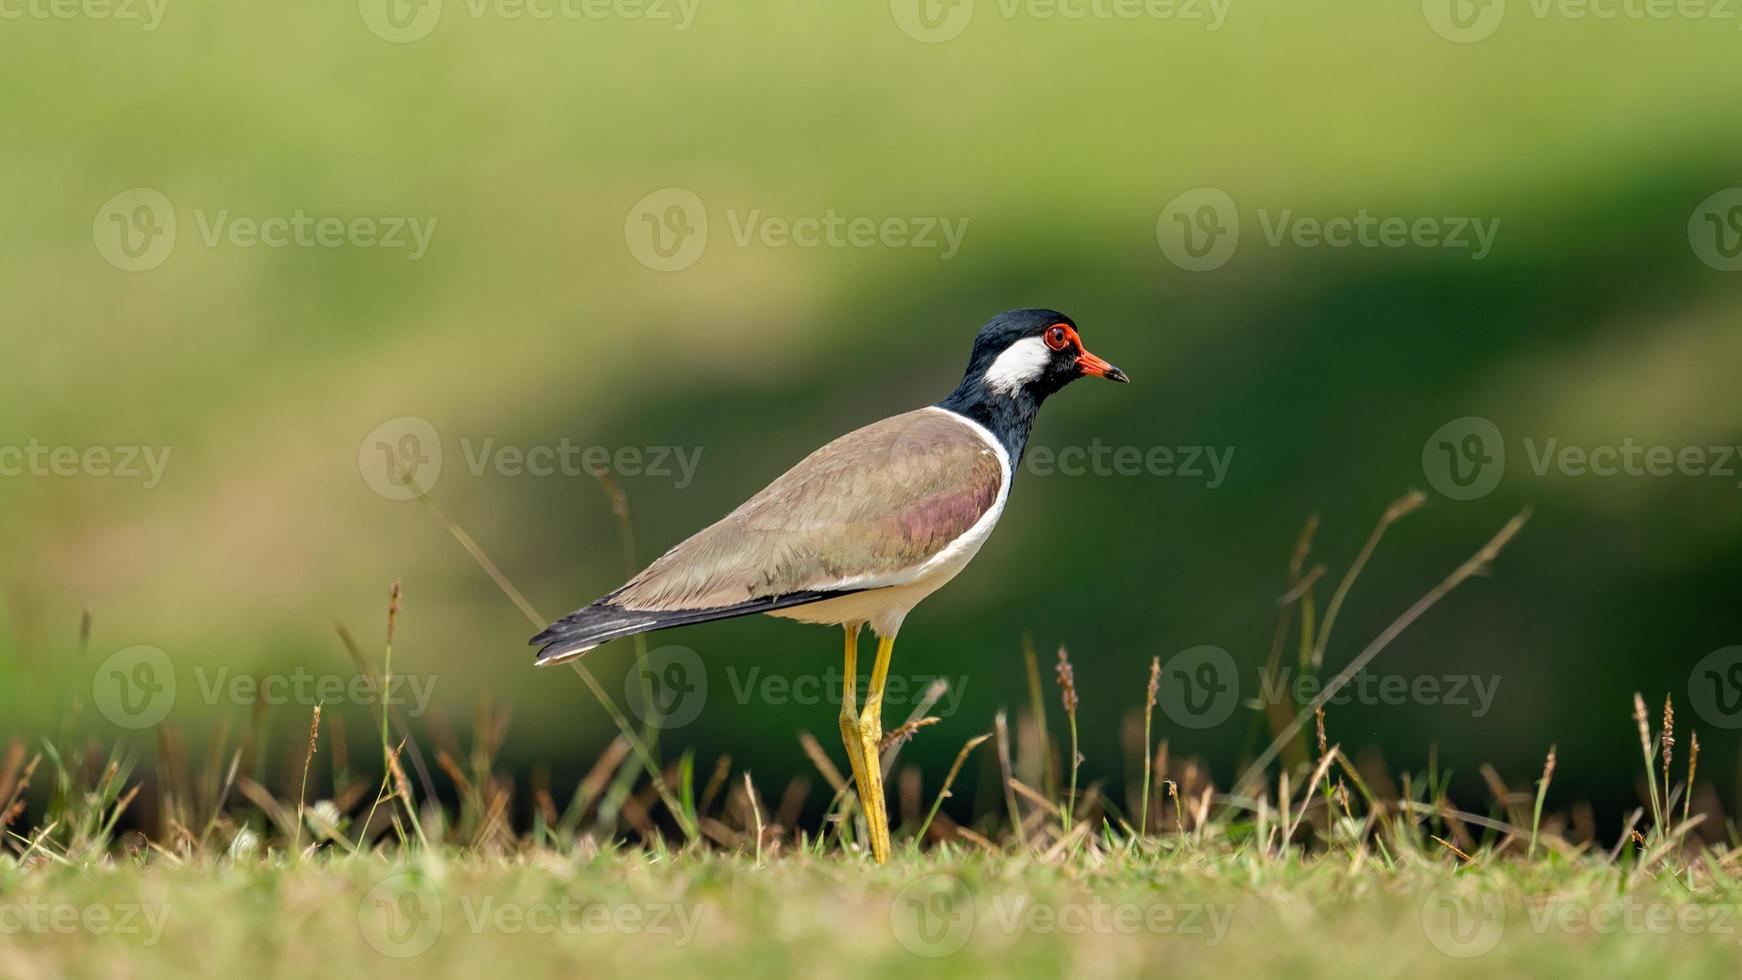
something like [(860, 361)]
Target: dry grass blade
[(1477, 563), (268, 804), (1647, 750), (1693, 769), (1448, 845), (1293, 595), (1151, 694), (950, 780), (1036, 797), (314, 734), (1001, 728), (1541, 794), (813, 751), (1396, 512), (756, 809), (906, 731)]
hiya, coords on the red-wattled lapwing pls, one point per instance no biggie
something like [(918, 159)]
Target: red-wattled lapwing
[(861, 530)]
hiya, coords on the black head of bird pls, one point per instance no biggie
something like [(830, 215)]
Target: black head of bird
[(862, 529), (1019, 359)]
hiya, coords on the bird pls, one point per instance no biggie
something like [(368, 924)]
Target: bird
[(860, 531)]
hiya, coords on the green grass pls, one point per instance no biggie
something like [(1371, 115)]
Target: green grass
[(1160, 909)]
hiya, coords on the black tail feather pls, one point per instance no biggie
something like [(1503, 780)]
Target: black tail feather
[(602, 622)]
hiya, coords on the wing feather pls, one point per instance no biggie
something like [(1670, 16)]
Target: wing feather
[(864, 511)]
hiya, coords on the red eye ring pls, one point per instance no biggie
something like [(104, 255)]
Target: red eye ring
[(1058, 336)]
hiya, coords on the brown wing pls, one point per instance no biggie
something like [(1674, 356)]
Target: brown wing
[(861, 512)]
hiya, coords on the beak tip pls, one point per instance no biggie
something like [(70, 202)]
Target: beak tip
[(1114, 374)]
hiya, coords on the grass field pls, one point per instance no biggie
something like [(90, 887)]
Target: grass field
[(1310, 864), (1168, 907)]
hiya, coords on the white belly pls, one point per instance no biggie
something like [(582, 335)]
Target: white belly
[(884, 609)]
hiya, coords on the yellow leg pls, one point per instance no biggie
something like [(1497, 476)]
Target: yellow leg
[(871, 741), (850, 716)]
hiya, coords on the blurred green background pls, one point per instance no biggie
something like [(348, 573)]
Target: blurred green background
[(537, 147)]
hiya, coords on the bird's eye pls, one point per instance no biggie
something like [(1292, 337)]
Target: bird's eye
[(1057, 337)]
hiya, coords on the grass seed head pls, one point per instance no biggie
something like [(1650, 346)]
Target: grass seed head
[(1067, 682), (1667, 736), (392, 610)]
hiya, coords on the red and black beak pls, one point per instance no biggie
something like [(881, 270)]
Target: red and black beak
[(1096, 367)]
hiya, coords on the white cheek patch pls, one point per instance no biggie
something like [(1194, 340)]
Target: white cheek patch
[(1022, 362)]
